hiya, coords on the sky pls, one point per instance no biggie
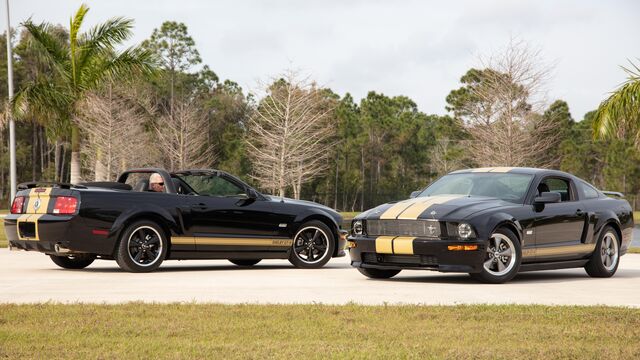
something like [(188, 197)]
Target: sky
[(415, 48)]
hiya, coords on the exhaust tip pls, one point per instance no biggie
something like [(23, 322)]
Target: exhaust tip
[(60, 249)]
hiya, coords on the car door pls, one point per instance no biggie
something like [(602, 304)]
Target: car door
[(225, 218), (559, 227)]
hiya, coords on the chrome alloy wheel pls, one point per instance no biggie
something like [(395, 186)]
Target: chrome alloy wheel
[(311, 244), (501, 255), (609, 251), (144, 246)]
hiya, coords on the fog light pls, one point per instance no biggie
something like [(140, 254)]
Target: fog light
[(462, 247), (351, 244), (464, 230)]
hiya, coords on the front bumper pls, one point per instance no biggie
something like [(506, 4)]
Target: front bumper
[(416, 254)]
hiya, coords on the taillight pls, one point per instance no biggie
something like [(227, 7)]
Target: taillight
[(65, 205), (16, 206)]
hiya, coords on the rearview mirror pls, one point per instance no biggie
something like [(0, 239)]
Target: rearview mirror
[(547, 198), (252, 194), (414, 194)]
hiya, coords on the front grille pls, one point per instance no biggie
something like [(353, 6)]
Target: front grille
[(416, 228), (416, 260)]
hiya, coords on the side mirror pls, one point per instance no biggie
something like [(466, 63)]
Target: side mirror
[(252, 194), (414, 194), (547, 198)]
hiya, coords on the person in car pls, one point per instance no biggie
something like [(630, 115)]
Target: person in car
[(156, 183)]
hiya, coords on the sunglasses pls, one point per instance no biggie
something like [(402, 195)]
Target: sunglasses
[(160, 183)]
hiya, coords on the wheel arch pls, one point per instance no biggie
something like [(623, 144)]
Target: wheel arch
[(325, 219), (166, 223)]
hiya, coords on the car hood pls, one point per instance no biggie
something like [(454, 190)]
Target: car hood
[(299, 202), (446, 207)]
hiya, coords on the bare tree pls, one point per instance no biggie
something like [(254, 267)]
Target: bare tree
[(182, 136), (113, 120), (289, 134), (446, 155), (502, 114)]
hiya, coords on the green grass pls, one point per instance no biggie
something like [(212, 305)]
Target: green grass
[(348, 215), (316, 331), (3, 237)]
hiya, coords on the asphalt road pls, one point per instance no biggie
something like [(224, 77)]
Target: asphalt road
[(27, 277)]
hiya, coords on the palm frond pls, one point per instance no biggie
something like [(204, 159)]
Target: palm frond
[(620, 112), (134, 60), (55, 50), (74, 28), (43, 98), (103, 38)]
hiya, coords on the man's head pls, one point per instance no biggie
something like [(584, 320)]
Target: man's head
[(156, 183)]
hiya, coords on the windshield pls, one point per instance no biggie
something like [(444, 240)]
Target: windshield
[(504, 186), (212, 185)]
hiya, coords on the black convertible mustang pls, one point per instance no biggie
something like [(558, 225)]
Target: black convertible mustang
[(494, 223), (194, 214)]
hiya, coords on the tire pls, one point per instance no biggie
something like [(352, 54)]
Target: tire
[(245, 262), (142, 247), (378, 273), (606, 257), (313, 245), (502, 265), (77, 261)]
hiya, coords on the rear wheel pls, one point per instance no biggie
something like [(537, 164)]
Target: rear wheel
[(245, 262), (378, 273), (76, 261), (142, 247), (502, 259), (606, 257), (312, 246)]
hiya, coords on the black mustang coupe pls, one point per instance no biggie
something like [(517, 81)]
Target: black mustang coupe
[(194, 214), (493, 223)]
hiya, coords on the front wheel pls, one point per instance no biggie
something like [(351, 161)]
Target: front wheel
[(606, 257), (142, 247), (312, 246), (502, 259), (245, 262), (76, 261), (378, 273)]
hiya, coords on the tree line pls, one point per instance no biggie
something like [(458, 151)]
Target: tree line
[(86, 111)]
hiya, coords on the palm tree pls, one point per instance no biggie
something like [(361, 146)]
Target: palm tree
[(619, 115), (84, 63)]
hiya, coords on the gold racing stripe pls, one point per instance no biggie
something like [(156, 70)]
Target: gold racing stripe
[(403, 245), (414, 211), (503, 169), (43, 196), (384, 244), (398, 208), (201, 240)]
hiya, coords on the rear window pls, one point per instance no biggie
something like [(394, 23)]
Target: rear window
[(588, 191)]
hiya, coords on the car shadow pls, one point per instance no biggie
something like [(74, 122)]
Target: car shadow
[(209, 267), (547, 276)]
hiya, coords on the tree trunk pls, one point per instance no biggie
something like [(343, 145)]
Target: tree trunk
[(100, 170), (56, 160), (34, 151), (75, 154), (63, 155)]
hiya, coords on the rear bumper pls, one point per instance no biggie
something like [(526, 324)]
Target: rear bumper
[(44, 231), (423, 254)]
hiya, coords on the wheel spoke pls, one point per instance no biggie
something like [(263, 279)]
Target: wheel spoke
[(488, 264), (153, 240), (496, 242), (138, 256), (316, 235), (505, 252), (500, 265)]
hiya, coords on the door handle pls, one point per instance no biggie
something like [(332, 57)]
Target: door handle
[(579, 212)]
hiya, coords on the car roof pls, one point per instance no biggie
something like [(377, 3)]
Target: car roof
[(514, 170)]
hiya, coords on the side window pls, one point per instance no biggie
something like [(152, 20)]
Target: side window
[(212, 185), (588, 191), (557, 185)]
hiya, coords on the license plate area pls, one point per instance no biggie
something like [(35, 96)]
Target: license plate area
[(27, 230)]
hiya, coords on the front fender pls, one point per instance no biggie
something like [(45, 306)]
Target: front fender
[(485, 226)]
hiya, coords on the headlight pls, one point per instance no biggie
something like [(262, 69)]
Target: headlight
[(358, 228), (465, 231)]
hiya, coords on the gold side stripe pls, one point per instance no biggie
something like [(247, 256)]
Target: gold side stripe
[(384, 244), (564, 250), (403, 245), (414, 211), (198, 240)]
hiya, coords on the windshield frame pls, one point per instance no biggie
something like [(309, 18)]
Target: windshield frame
[(521, 200)]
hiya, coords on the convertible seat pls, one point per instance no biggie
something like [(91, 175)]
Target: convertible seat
[(142, 185)]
